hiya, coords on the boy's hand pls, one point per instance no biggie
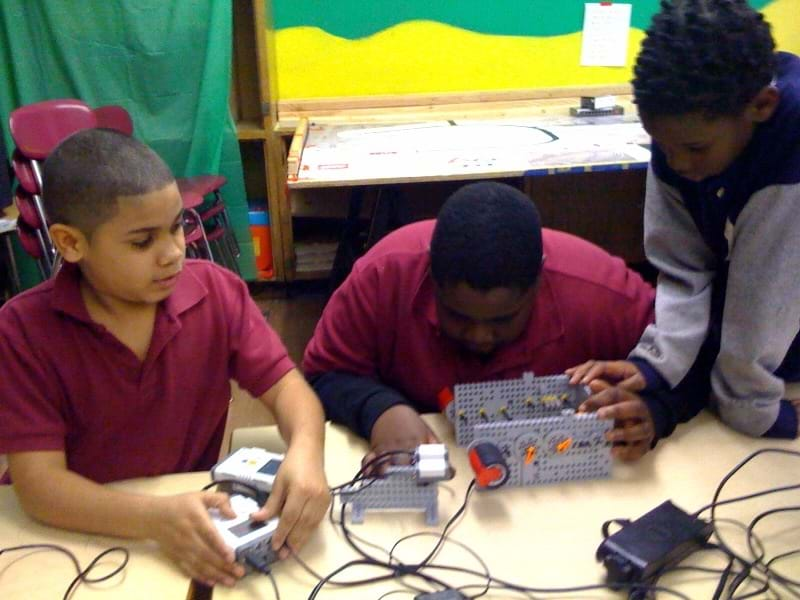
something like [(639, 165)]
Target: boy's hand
[(633, 431), (183, 529), (398, 428), (621, 373), (300, 496)]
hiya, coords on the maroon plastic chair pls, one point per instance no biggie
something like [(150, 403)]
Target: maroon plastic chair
[(29, 217), (39, 127), (195, 235), (26, 208), (23, 171), (113, 116), (36, 130), (31, 244)]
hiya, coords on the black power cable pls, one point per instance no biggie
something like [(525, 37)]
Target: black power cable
[(83, 574)]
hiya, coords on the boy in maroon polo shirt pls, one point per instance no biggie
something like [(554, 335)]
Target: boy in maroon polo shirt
[(120, 367), (481, 294)]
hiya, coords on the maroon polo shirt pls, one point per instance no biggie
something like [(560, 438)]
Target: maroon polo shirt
[(382, 321), (68, 384)]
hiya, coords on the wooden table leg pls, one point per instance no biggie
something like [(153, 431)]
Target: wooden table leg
[(199, 591)]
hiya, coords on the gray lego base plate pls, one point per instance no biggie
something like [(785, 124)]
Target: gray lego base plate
[(551, 449), (533, 421), (397, 490)]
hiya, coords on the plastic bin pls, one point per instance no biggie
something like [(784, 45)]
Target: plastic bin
[(262, 242)]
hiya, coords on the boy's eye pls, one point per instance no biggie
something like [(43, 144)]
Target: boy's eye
[(142, 244), (698, 149)]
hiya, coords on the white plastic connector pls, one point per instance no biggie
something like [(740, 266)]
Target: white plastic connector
[(431, 462), (431, 451)]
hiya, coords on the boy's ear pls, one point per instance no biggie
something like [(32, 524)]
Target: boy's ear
[(764, 104), (70, 242)]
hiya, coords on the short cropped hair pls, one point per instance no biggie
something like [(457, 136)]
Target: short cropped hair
[(487, 235), (707, 56), (86, 174)]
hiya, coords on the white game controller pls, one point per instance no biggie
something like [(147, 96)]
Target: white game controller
[(250, 540)]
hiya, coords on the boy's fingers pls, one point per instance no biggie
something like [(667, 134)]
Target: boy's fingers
[(625, 409), (598, 385), (430, 437), (214, 550), (209, 563), (640, 432), (576, 373), (312, 513), (290, 516), (368, 458), (274, 503), (630, 452), (634, 383), (607, 397), (598, 371), (221, 501)]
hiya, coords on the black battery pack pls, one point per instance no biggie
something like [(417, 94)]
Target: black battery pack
[(655, 541)]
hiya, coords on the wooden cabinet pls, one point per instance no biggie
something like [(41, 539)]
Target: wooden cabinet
[(304, 227), (253, 108)]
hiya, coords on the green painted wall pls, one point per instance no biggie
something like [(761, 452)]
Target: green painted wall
[(354, 19)]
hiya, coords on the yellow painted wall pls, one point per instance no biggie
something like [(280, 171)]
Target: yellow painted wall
[(430, 57)]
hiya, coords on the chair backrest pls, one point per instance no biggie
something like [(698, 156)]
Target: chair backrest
[(29, 241), (27, 209), (24, 173), (114, 116), (38, 128)]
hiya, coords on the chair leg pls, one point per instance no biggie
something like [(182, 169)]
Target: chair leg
[(227, 224), (45, 259), (16, 284), (204, 241), (229, 257)]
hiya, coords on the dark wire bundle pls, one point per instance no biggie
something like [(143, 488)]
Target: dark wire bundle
[(83, 574), (739, 570)]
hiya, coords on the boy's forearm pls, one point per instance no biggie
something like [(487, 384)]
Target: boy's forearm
[(683, 297), (297, 410), (355, 401), (64, 499)]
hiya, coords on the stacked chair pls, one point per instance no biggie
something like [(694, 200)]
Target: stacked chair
[(38, 128)]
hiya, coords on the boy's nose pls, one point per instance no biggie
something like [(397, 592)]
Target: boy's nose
[(173, 252)]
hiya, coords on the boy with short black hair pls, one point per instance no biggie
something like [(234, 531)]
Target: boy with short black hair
[(120, 367), (721, 222), (483, 293)]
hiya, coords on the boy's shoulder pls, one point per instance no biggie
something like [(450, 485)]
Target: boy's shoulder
[(404, 249), (31, 308), (578, 263)]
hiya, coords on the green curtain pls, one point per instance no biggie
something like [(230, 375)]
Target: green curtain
[(167, 62)]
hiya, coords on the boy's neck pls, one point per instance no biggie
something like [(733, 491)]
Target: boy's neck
[(103, 308)]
